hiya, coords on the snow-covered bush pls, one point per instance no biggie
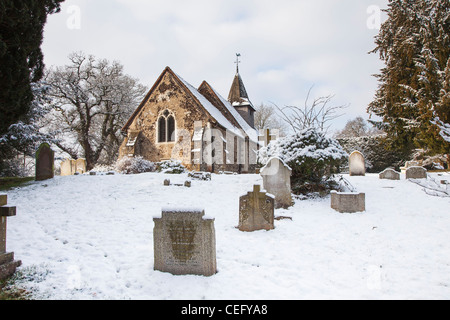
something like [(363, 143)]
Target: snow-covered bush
[(171, 167), (312, 156), (128, 165)]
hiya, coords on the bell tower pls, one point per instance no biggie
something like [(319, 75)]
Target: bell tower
[(239, 99)]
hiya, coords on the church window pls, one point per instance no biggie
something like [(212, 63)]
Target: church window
[(166, 127), (171, 129)]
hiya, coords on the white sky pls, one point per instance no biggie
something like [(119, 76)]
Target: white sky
[(287, 46)]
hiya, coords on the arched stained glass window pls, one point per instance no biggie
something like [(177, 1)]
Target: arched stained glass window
[(166, 127)]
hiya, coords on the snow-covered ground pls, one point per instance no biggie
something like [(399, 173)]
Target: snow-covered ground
[(91, 237)]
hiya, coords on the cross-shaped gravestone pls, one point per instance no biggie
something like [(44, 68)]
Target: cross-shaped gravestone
[(256, 211), (7, 264), (266, 136)]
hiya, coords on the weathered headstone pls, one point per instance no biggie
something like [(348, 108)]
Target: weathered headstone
[(390, 174), (256, 211), (277, 181), (7, 264), (67, 168), (81, 166), (357, 164), (348, 202), (416, 173), (45, 158), (185, 243)]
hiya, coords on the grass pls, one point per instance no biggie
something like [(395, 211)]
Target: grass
[(8, 291), (13, 182)]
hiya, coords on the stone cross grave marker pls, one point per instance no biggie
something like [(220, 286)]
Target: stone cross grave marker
[(277, 181), (357, 164), (185, 243), (45, 158), (266, 136), (256, 211), (7, 264), (390, 174)]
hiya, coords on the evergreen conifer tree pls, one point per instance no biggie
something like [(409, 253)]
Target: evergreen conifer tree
[(21, 59), (414, 43)]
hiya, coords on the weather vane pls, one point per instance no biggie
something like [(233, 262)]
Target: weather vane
[(237, 62)]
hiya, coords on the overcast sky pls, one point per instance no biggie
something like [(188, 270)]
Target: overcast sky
[(286, 46)]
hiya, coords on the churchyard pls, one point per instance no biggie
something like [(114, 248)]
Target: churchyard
[(119, 236)]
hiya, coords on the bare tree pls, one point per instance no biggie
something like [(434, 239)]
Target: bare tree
[(91, 99), (317, 114), (267, 118), (357, 127)]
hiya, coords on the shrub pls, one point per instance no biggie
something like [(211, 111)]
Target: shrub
[(128, 165), (313, 158), (171, 167)]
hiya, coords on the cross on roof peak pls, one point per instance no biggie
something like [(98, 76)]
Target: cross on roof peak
[(237, 62)]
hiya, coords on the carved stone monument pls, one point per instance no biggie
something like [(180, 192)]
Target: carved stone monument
[(185, 243), (277, 181), (390, 174), (348, 202), (45, 158), (7, 264), (357, 164), (416, 173), (256, 211)]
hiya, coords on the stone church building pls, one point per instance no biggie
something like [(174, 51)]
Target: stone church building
[(206, 132)]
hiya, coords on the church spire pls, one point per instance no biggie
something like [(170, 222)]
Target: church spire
[(239, 99)]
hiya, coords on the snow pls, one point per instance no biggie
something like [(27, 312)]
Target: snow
[(212, 110), (91, 237)]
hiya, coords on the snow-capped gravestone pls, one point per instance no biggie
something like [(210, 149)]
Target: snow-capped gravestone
[(7, 264), (185, 243), (45, 158), (390, 174), (256, 211), (416, 173), (348, 202), (277, 181), (357, 164)]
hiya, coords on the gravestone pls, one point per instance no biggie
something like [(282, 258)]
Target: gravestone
[(67, 168), (45, 158), (390, 174), (348, 202), (185, 243), (256, 211), (277, 181), (7, 264), (73, 167), (357, 164), (81, 166), (416, 173)]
